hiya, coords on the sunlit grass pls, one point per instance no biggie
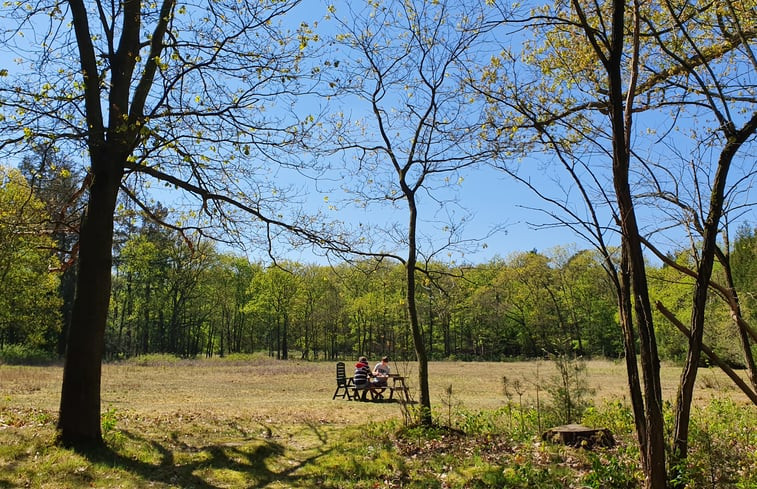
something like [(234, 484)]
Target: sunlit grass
[(256, 422)]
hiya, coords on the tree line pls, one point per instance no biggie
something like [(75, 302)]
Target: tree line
[(168, 298), (183, 296)]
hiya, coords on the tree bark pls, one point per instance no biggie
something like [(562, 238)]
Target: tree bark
[(412, 309), (79, 417), (654, 455), (620, 112), (623, 286), (109, 148), (735, 138)]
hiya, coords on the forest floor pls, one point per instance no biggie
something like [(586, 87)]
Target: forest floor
[(257, 422)]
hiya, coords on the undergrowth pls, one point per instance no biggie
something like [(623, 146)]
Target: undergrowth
[(26, 355)]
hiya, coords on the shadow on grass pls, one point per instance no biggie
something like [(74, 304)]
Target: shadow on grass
[(250, 462)]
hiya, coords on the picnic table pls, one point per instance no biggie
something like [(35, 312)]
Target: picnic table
[(394, 383), (345, 387)]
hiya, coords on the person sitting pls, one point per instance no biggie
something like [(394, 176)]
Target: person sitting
[(381, 372), (362, 376)]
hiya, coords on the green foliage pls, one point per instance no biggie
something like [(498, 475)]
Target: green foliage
[(744, 265), (675, 291), (723, 446), (108, 421), (526, 476), (477, 422), (26, 355), (29, 303), (168, 298), (613, 415), (569, 388), (612, 472), (521, 423)]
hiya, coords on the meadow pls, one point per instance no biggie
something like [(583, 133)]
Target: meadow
[(258, 422)]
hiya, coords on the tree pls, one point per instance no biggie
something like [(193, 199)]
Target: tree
[(317, 292), (601, 66), (273, 299), (589, 303), (58, 184), (411, 132), (684, 36), (144, 265), (585, 47), (742, 265), (671, 290), (29, 304), (234, 275), (745, 267), (162, 93)]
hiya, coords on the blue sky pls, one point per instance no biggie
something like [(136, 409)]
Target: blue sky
[(492, 198)]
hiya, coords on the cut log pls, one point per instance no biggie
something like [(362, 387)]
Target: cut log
[(579, 436)]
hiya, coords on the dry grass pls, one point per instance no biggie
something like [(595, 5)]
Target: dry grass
[(297, 391), (264, 423)]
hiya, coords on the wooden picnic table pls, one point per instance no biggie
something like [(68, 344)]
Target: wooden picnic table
[(395, 383), (345, 387)]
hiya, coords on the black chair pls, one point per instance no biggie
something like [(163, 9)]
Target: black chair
[(343, 383)]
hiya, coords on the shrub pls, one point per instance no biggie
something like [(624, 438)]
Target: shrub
[(613, 415), (569, 388), (25, 355), (722, 446)]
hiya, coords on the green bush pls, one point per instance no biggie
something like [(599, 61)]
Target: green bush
[(25, 355), (612, 471), (613, 415), (722, 446)]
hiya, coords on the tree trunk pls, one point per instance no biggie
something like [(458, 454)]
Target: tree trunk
[(623, 287), (412, 309), (735, 306), (621, 119), (689, 374), (79, 417), (109, 145), (699, 302)]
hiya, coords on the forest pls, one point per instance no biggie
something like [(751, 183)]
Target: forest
[(189, 299)]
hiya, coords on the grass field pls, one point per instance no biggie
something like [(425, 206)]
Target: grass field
[(286, 391), (263, 423)]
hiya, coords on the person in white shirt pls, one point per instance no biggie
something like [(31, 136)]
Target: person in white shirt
[(381, 372)]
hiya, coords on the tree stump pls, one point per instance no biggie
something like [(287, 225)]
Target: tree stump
[(579, 436)]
